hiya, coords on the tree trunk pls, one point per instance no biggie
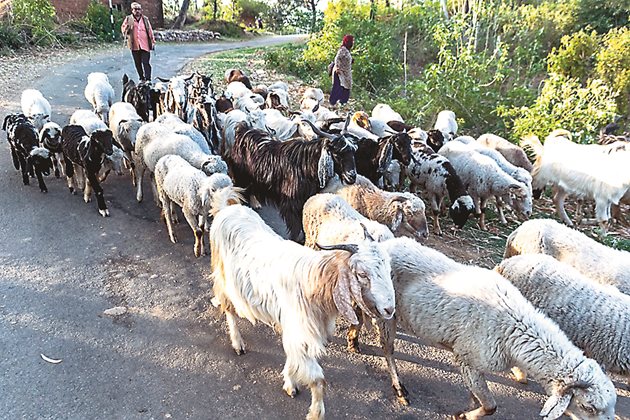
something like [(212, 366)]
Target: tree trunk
[(372, 9), (215, 10), (313, 15), (181, 18), (444, 8)]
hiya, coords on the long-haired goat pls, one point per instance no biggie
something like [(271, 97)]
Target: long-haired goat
[(288, 173), (373, 157), (299, 296)]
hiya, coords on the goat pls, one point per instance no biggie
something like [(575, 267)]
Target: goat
[(373, 157), (236, 75), (139, 96)]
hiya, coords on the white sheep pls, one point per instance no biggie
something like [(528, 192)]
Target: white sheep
[(35, 107), (311, 98), (279, 85), (235, 90), (100, 93), (514, 154), (599, 262), (277, 98), (299, 295), (329, 220), (88, 120), (125, 122), (596, 318), (384, 112), (490, 327), (446, 122), (234, 117), (402, 213), (483, 178), (155, 140), (175, 124), (578, 170), (112, 163), (434, 176), (191, 189)]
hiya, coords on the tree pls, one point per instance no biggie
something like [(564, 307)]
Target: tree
[(181, 18)]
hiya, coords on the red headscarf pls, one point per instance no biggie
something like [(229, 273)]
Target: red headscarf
[(348, 41)]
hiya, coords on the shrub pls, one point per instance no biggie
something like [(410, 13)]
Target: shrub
[(613, 65), (98, 23), (564, 103), (575, 57), (37, 17), (10, 38), (225, 28), (602, 15)]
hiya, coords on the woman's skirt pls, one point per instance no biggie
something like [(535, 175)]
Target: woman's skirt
[(338, 92)]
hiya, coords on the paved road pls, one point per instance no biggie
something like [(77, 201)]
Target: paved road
[(62, 265)]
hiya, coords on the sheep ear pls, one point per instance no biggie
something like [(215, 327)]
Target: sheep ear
[(386, 157), (343, 298), (325, 167), (397, 219), (555, 406)]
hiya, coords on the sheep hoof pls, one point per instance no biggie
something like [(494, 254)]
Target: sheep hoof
[(87, 199), (240, 351), (174, 240), (402, 395), (353, 347), (44, 190), (104, 213), (292, 391), (72, 191)]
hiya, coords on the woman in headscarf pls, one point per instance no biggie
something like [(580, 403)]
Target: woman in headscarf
[(342, 72)]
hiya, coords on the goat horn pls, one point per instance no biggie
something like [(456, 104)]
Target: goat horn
[(345, 126), (366, 233), (161, 79), (317, 131), (351, 248)]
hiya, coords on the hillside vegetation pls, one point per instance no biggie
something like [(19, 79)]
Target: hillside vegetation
[(508, 67)]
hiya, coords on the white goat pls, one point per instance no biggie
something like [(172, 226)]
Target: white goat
[(329, 220), (299, 296), (180, 183), (446, 122), (596, 318), (599, 262), (35, 107), (402, 213), (490, 327), (100, 93)]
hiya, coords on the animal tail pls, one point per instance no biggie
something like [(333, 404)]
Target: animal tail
[(224, 197)]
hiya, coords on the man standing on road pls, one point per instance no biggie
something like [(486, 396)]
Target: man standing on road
[(137, 30)]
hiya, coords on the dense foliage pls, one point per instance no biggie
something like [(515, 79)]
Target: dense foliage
[(36, 18), (97, 22), (487, 62)]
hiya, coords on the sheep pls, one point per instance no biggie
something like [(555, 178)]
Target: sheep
[(236, 75), (288, 173), (384, 112), (35, 107), (124, 122), (596, 318), (235, 90), (579, 170), (87, 152), (139, 96), (232, 119), (483, 178), (311, 98), (88, 120), (299, 296), (100, 94), (489, 326), (191, 189), (157, 99), (154, 140), (402, 213), (357, 122), (603, 264), (27, 156), (176, 97), (175, 124), (446, 122), (279, 85), (435, 176), (392, 176), (514, 154), (50, 138), (277, 99), (329, 219), (112, 163)]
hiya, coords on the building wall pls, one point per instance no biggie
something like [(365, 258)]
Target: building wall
[(68, 9)]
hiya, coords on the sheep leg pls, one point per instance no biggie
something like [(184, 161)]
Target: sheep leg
[(481, 213), (56, 165), (174, 213), (70, 176), (558, 200), (98, 191), (40, 181), (198, 231), (500, 204), (154, 189), (435, 209), (387, 332), (140, 168), (578, 211), (353, 332), (477, 385), (316, 410), (87, 192), (235, 335), (24, 169), (166, 213)]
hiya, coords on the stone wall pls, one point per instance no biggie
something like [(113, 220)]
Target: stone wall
[(174, 35)]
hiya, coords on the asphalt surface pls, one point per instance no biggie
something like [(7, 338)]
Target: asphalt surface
[(62, 265)]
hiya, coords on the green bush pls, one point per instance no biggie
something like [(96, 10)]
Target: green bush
[(36, 17), (564, 103), (602, 15), (225, 28), (613, 65), (575, 57), (10, 38), (98, 23)]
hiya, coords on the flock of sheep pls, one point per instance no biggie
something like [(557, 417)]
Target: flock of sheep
[(339, 183)]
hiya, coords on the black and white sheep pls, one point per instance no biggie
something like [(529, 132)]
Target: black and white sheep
[(300, 296), (87, 152), (288, 173), (490, 327), (402, 213), (26, 154), (50, 138), (596, 318), (599, 262), (446, 122)]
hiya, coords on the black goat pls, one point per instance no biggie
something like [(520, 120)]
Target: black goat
[(137, 95), (88, 153), (286, 174), (435, 139), (25, 151), (374, 157)]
